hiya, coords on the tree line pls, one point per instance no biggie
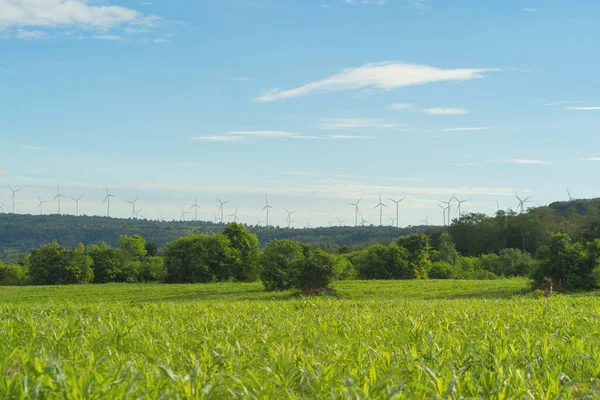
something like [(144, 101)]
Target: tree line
[(235, 255)]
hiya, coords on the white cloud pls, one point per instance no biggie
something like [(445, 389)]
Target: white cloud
[(28, 147), (344, 137), (590, 159), (529, 9), (218, 138), (583, 108), (55, 13), (353, 176), (134, 31), (349, 123), (238, 78), (445, 111), (161, 40), (466, 129), (527, 161), (31, 35), (382, 76), (270, 134), (419, 4), (108, 37), (402, 106)]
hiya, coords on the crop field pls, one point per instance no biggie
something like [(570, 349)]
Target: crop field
[(392, 339)]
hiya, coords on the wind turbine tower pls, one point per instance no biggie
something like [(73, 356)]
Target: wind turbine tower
[(234, 215), (459, 209), (289, 217), (58, 196), (221, 204), (182, 216), (107, 201), (266, 207), (521, 202), (444, 213), (41, 205), (569, 194), (356, 211), (76, 200), (380, 205), (196, 207), (13, 197), (397, 204), (133, 213)]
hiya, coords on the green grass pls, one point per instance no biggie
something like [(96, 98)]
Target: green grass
[(405, 339)]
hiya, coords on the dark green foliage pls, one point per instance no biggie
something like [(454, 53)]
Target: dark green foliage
[(199, 259), (570, 265), (13, 275), (446, 249), (442, 270), (384, 262), (153, 270), (418, 250), (52, 264), (108, 263), (151, 249), (245, 267), (315, 271), (279, 263)]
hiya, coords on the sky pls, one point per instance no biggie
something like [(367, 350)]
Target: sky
[(312, 103)]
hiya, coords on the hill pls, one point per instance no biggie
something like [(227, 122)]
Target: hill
[(21, 233)]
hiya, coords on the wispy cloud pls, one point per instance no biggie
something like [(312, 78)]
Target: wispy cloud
[(375, 2), (419, 4), (445, 111), (527, 161), (161, 40), (238, 78), (467, 129), (29, 147), (30, 35), (218, 138), (350, 123), (402, 106), (264, 134), (320, 174), (583, 108), (529, 9), (590, 159), (56, 13), (383, 76), (108, 37), (349, 137)]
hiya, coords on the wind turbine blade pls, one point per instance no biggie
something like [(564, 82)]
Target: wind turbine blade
[(264, 208)]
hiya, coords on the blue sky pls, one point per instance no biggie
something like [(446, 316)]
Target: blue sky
[(313, 103)]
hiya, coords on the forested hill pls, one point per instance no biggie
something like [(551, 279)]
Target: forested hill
[(21, 233)]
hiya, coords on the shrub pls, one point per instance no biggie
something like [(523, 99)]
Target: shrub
[(441, 270), (52, 264), (279, 262), (315, 272), (245, 267), (153, 270), (13, 275)]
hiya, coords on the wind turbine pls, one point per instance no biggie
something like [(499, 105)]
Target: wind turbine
[(356, 212), (234, 215), (258, 221), (196, 207), (444, 215), (521, 202), (58, 196), (289, 217), (569, 194), (341, 221), (392, 219), (107, 201), (266, 207), (76, 200), (41, 205), (363, 221), (459, 205), (308, 225), (137, 213), (182, 216), (215, 219), (221, 204), (13, 197), (397, 204), (331, 222), (2, 206), (133, 213), (380, 205), (426, 220), (448, 207)]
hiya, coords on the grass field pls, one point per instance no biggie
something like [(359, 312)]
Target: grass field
[(402, 339)]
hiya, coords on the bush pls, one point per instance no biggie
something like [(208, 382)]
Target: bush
[(316, 272), (108, 264), (279, 262), (52, 264), (153, 270), (383, 262), (441, 270), (245, 268), (514, 262), (13, 275)]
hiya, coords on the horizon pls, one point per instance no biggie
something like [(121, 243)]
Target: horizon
[(241, 99)]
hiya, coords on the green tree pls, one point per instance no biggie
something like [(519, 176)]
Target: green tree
[(133, 247), (52, 264), (13, 275), (279, 262), (418, 249), (153, 269), (314, 272), (108, 263), (245, 267), (447, 249), (383, 262)]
